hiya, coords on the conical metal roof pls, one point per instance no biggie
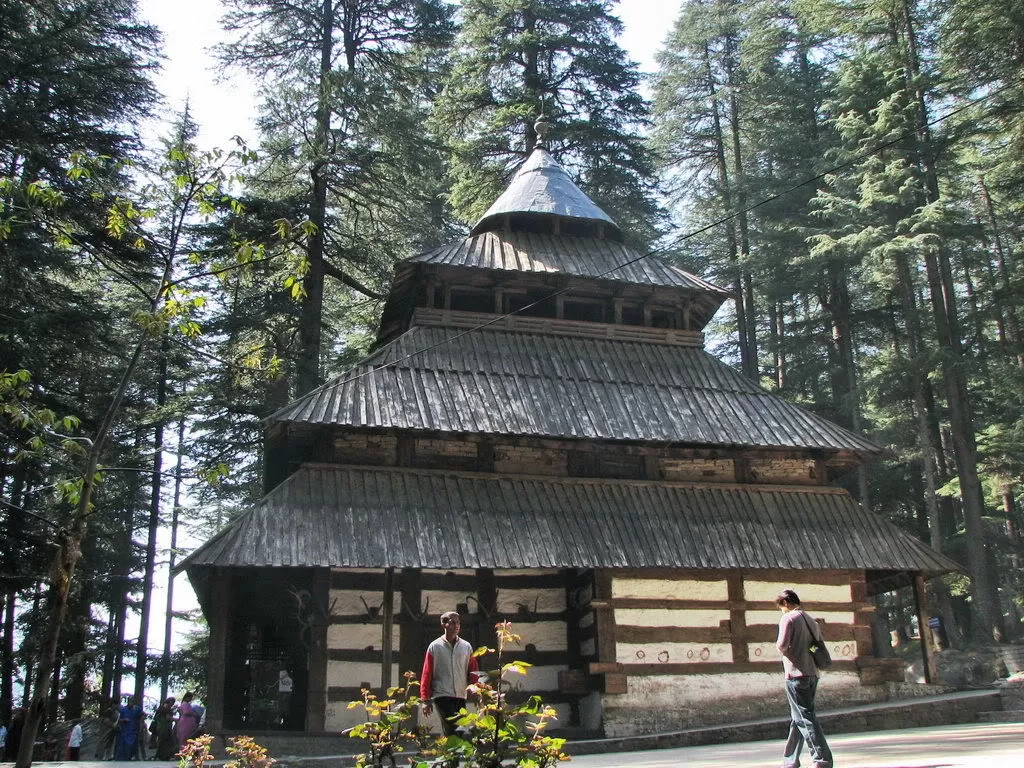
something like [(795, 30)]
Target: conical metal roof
[(541, 186)]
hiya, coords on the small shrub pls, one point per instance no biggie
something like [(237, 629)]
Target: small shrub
[(496, 735)]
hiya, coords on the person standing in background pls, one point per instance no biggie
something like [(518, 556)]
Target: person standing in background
[(447, 667), (163, 730), (188, 720), (795, 639), (75, 740), (128, 717)]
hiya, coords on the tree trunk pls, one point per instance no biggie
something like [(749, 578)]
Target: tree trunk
[(730, 233), (165, 665), (307, 374), (153, 528), (943, 298), (749, 339), (7, 671)]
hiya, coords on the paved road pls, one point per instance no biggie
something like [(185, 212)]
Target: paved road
[(992, 745), (987, 745)]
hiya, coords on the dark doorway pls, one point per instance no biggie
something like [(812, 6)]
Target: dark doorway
[(267, 668)]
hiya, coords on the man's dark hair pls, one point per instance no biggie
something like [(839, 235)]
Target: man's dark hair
[(787, 596)]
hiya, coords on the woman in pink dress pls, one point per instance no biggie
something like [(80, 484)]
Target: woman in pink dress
[(188, 720)]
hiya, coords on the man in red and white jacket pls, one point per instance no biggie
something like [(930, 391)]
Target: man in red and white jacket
[(447, 667)]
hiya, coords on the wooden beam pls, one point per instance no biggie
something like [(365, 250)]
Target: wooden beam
[(316, 698), (604, 617), (388, 609), (410, 639), (216, 663), (738, 617)]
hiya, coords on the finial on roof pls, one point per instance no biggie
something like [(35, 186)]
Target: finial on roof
[(541, 128)]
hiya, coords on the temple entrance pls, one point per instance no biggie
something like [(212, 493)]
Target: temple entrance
[(267, 665)]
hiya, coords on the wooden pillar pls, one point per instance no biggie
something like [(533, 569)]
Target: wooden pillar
[(607, 664), (216, 663), (737, 618), (316, 697), (410, 639), (388, 611), (927, 651)]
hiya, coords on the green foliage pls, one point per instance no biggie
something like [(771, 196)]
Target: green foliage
[(495, 733), (514, 60)]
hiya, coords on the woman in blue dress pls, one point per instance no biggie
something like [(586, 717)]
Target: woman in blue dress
[(128, 717)]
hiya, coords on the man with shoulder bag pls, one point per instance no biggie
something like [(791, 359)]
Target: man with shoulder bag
[(803, 653)]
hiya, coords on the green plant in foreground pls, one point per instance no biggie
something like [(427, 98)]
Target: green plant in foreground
[(497, 734), (244, 752)]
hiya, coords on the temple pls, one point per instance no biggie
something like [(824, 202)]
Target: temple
[(539, 435)]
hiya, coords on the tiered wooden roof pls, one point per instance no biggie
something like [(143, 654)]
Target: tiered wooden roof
[(543, 384), (344, 516), (450, 374)]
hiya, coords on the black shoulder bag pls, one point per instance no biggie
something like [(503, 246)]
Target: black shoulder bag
[(819, 651)]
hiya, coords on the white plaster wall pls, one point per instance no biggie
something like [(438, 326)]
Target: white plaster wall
[(338, 717), (359, 636), (666, 589), (536, 600), (546, 635), (670, 617), (591, 711), (840, 649), (672, 653), (349, 602), (757, 591), (772, 617), (352, 674), (437, 601), (536, 678)]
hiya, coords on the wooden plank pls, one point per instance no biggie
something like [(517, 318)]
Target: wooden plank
[(388, 610), (410, 638), (604, 617), (737, 618), (316, 699)]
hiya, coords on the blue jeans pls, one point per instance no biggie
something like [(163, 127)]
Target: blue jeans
[(804, 726)]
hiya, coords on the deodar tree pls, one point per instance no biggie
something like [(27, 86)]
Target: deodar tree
[(515, 60), (344, 83)]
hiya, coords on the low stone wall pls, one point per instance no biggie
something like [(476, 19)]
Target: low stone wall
[(920, 710)]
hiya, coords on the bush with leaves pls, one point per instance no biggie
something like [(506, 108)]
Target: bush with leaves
[(496, 734)]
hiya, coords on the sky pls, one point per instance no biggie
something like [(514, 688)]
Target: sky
[(224, 103)]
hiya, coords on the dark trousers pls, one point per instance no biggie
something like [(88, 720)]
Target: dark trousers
[(804, 725), (74, 753), (447, 708)]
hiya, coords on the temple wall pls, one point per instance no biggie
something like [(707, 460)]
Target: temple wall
[(694, 648), (557, 458), (535, 601)]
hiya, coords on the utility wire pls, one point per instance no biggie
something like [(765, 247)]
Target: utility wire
[(673, 243)]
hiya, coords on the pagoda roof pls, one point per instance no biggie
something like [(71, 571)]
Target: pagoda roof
[(509, 382), (542, 186), (577, 256), (374, 517)]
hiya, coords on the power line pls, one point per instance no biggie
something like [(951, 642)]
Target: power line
[(673, 243)]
